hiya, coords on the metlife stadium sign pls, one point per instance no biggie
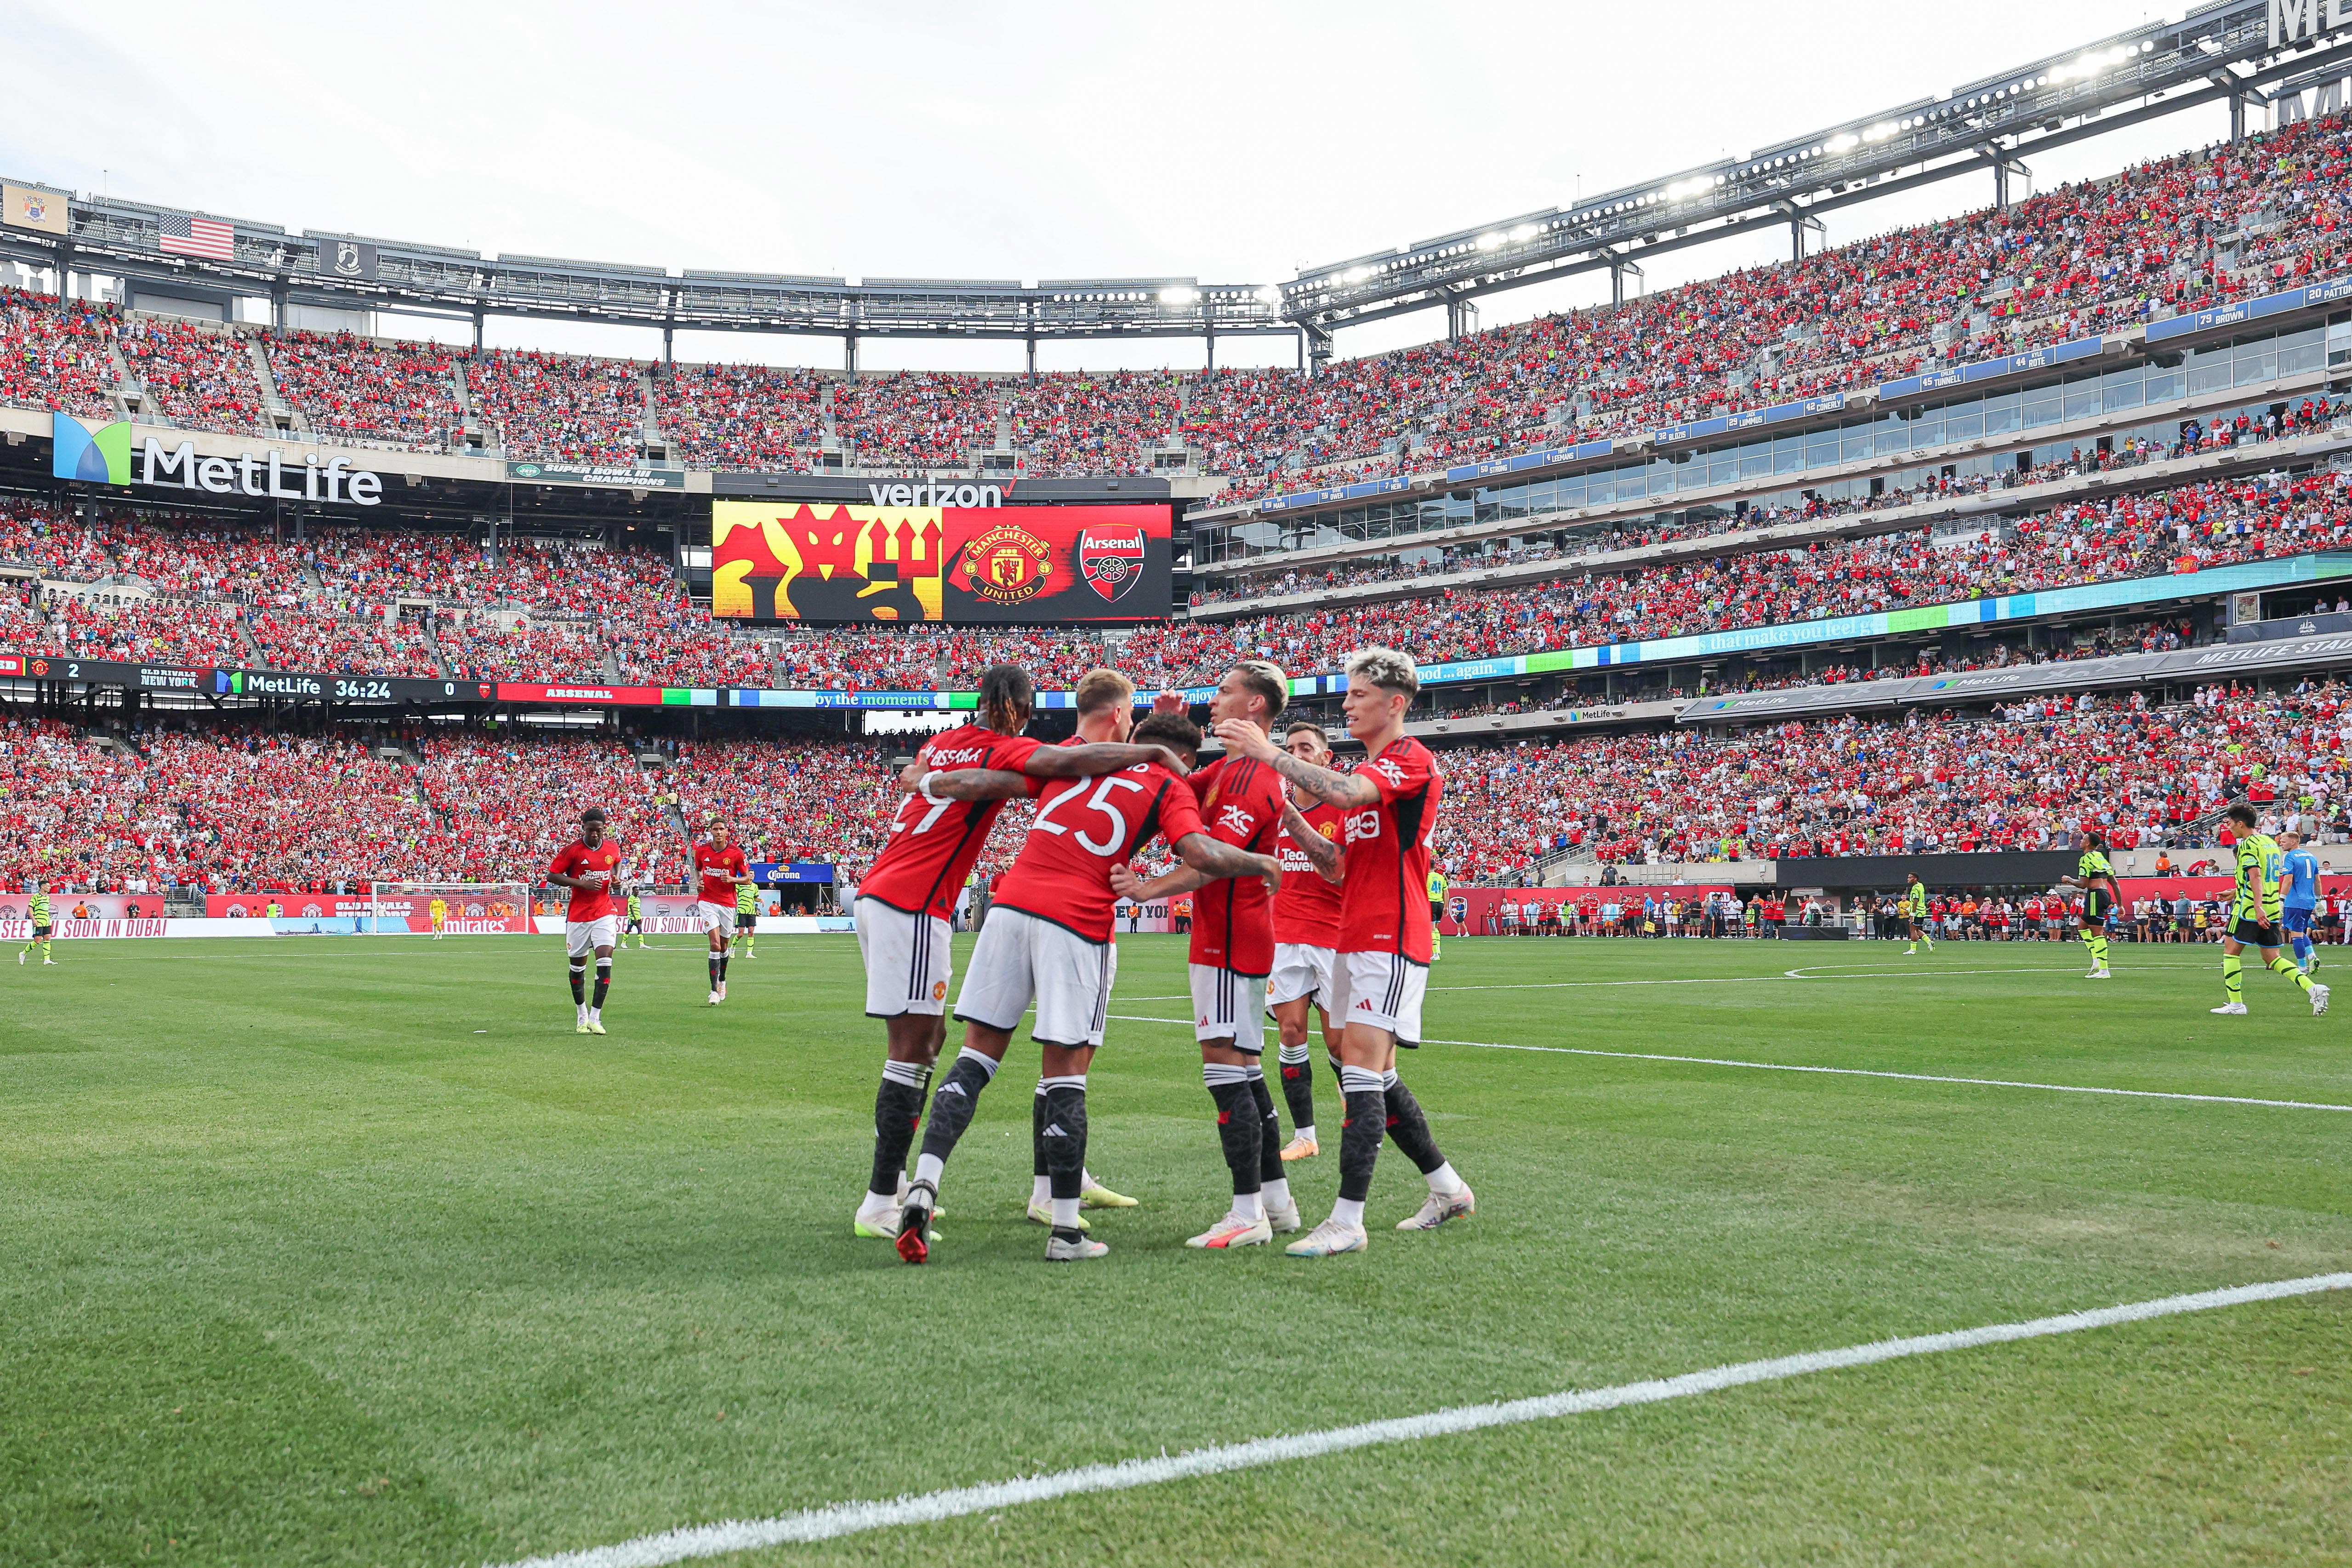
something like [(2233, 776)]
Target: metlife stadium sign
[(102, 455)]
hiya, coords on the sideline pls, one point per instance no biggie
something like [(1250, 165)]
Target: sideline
[(857, 1518)]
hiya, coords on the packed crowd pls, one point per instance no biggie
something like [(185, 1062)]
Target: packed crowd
[(2180, 234), (232, 808)]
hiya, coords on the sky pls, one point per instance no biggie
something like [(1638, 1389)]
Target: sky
[(1232, 143)]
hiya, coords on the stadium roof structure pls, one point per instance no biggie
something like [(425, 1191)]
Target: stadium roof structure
[(2238, 51)]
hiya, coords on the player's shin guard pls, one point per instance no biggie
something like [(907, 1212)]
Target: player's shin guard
[(1239, 1130), (897, 1111), (1065, 1148), (603, 983), (1298, 1086), (1360, 1134), (953, 1104), (2233, 982), (580, 982), (2284, 965), (2302, 950), (1269, 1136), (1408, 1127)]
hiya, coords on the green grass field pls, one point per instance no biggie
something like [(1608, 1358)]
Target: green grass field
[(350, 1251)]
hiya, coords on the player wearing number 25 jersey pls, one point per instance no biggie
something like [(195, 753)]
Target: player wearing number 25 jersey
[(1048, 940), (908, 896)]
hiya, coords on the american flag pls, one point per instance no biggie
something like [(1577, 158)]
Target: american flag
[(198, 236)]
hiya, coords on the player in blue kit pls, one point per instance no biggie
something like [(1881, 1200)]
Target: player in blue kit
[(2299, 896)]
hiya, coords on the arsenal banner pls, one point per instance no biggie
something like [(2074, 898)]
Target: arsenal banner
[(834, 562)]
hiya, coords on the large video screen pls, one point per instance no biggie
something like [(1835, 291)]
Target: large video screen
[(834, 562)]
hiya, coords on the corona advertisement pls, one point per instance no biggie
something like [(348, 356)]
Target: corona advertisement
[(832, 562)]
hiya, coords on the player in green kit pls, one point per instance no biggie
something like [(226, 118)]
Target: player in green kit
[(1913, 906), (1437, 912), (37, 910), (636, 920), (2096, 878), (2256, 913), (747, 917)]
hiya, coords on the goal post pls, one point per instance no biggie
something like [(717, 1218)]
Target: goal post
[(468, 909)]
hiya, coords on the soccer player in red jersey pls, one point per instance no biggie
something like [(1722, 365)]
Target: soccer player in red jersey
[(1306, 932), (590, 925), (907, 901), (1232, 952), (1048, 938), (721, 869), (1381, 967)]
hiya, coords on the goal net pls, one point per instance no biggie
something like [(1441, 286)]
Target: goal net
[(467, 909)]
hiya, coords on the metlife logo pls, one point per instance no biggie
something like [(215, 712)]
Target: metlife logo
[(266, 683)]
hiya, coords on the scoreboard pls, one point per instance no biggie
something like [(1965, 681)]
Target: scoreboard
[(834, 562)]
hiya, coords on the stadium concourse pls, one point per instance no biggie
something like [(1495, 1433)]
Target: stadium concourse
[(228, 807)]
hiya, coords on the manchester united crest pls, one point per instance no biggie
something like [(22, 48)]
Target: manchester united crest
[(1008, 565)]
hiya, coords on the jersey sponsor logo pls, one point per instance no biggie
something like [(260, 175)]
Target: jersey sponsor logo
[(1364, 826), (1388, 770), (955, 756), (1008, 565), (1237, 818)]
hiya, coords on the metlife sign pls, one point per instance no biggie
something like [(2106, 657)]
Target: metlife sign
[(103, 455)]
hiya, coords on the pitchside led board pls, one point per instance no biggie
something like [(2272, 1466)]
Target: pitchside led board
[(834, 562)]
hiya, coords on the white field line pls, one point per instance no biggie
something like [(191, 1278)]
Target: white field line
[(1844, 1072), (856, 1518)]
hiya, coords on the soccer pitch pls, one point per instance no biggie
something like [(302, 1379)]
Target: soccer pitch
[(350, 1251)]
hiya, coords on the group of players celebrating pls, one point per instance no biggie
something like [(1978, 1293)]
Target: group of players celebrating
[(1311, 890)]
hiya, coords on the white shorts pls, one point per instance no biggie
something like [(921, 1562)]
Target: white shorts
[(587, 936), (1229, 1006), (905, 960), (1300, 971), (1020, 959), (713, 917), (1381, 989)]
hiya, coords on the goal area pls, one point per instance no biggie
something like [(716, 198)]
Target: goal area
[(468, 909)]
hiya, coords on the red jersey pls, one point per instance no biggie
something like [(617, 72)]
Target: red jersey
[(1241, 800), (1384, 903), (1083, 828), (718, 888), (1306, 911), (588, 903), (932, 848)]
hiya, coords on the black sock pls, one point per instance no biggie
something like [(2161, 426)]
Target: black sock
[(1065, 1139), (957, 1097), (1408, 1128), (1037, 1131), (579, 982), (1359, 1138), (604, 982), (1339, 1075), (1298, 1091), (1269, 1138), (897, 1111), (714, 972), (1238, 1131), (722, 967)]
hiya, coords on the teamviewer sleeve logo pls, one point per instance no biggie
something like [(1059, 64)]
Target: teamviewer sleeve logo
[(1111, 560)]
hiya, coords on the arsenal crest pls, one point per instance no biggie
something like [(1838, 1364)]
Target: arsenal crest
[(1111, 560)]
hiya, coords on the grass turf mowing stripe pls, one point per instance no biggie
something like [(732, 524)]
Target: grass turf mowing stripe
[(1844, 1072), (857, 1518)]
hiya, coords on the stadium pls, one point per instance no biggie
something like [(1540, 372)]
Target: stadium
[(1967, 601)]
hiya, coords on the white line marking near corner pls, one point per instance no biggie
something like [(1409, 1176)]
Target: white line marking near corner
[(1845, 1072), (838, 1519)]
